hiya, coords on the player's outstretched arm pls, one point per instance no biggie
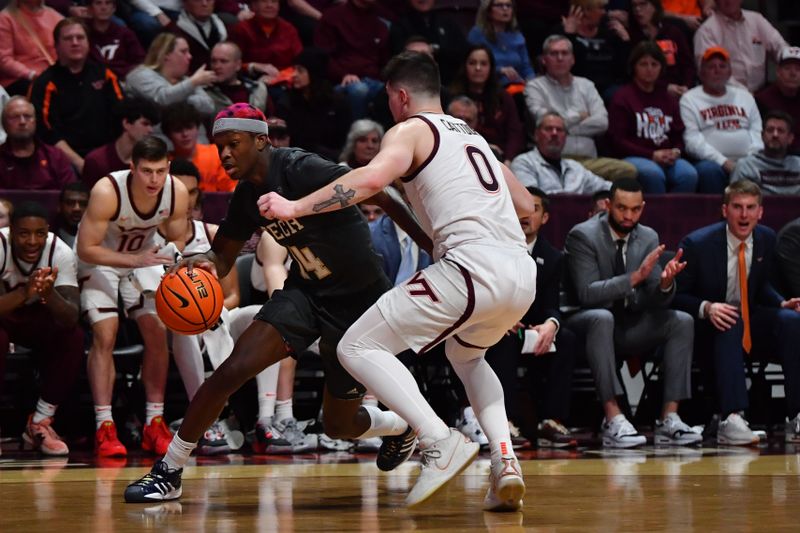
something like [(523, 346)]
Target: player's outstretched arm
[(394, 160), (103, 204), (523, 200), (400, 213)]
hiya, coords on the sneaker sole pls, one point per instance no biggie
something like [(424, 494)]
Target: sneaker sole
[(509, 493), (544, 443), (473, 448), (667, 441), (608, 443), (157, 497), (728, 442)]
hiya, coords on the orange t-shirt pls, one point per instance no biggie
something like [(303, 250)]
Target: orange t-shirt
[(213, 177), (682, 7)]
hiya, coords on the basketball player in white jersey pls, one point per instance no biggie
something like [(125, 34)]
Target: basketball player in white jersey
[(482, 282), (115, 237), (39, 289)]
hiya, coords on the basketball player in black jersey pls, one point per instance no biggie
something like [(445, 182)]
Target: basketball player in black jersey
[(335, 276)]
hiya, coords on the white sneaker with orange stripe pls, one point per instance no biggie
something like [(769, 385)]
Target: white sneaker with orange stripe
[(506, 486)]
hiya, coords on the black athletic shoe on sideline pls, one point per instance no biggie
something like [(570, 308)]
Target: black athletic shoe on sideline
[(396, 449), (160, 484)]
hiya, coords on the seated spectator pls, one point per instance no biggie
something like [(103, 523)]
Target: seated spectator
[(27, 162), (72, 202), (496, 27), (231, 87), (362, 144), (269, 43), (737, 316), (181, 124), (649, 24), (75, 97), (202, 30), (148, 18), (6, 210), (722, 122), (747, 35), (498, 120), (26, 53), (787, 257), (691, 12), (371, 212), (318, 118), (465, 108), (645, 124), (772, 168), (41, 291), (278, 133), (598, 43), (402, 257), (624, 297), (137, 118), (549, 373), (544, 168), (357, 43), (112, 45), (4, 98), (576, 99), (784, 93), (599, 203), (439, 29), (162, 77)]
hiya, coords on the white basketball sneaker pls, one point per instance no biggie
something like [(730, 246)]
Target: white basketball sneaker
[(506, 486), (442, 461)]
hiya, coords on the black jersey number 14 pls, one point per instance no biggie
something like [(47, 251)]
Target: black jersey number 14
[(309, 263)]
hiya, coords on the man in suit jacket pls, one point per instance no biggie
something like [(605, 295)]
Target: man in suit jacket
[(388, 239), (550, 372), (624, 296), (709, 289)]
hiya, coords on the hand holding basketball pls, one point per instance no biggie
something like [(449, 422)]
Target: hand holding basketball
[(189, 302)]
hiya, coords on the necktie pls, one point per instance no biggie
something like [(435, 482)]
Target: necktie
[(619, 269), (746, 341), (407, 266)]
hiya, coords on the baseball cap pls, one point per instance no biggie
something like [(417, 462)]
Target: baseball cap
[(716, 51), (788, 53)]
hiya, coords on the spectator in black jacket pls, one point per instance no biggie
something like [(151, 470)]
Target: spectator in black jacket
[(74, 98)]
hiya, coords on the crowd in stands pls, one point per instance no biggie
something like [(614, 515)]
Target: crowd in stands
[(620, 99)]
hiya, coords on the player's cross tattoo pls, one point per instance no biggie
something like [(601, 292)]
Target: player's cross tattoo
[(341, 197)]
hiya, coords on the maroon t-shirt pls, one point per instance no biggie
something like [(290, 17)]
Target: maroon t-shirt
[(118, 48), (771, 98), (100, 162), (640, 123), (46, 169)]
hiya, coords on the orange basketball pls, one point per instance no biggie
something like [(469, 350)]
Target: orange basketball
[(189, 302)]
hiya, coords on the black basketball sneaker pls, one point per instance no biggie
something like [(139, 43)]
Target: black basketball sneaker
[(396, 449), (160, 484)]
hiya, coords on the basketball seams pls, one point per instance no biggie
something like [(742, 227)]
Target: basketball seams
[(163, 305), (190, 290)]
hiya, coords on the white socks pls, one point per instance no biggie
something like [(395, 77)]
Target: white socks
[(283, 410), (382, 423), (178, 453), (152, 410), (267, 383), (43, 410), (102, 413)]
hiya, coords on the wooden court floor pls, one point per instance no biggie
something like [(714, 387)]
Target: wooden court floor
[(642, 490)]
